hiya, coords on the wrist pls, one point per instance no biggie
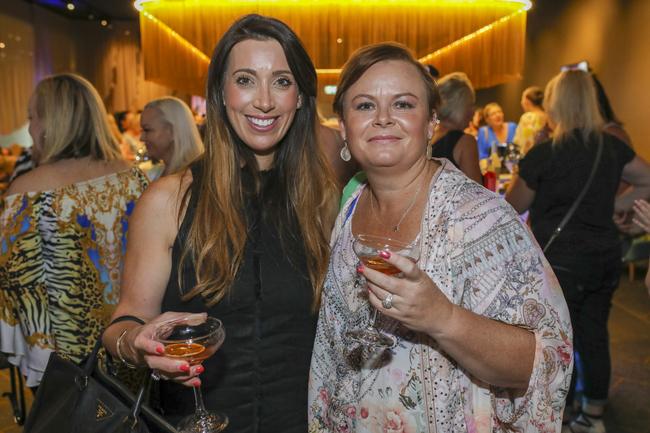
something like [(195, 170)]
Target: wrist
[(125, 349), (444, 322)]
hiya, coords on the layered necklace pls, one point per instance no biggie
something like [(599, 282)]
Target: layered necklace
[(406, 211)]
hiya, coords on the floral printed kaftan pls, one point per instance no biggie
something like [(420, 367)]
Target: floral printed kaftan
[(476, 249)]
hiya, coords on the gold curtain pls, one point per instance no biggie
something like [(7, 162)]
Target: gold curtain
[(178, 36), (16, 70), (489, 57)]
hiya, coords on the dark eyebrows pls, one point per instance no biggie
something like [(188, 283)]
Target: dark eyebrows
[(399, 95), (253, 72)]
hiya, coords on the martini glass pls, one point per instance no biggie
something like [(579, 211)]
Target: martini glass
[(367, 249), (194, 342)]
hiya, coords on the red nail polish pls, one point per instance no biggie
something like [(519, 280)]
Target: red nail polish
[(196, 383), (184, 367), (160, 350), (384, 254), (360, 269), (200, 369)]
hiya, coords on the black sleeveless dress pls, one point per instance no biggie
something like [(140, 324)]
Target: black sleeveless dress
[(259, 376), (444, 147)]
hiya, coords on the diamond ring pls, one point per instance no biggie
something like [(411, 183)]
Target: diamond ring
[(387, 303)]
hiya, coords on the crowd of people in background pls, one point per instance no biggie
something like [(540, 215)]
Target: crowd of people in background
[(235, 214)]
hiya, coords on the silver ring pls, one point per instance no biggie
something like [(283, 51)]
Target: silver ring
[(155, 375), (387, 303)]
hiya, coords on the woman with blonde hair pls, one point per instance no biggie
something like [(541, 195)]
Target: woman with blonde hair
[(63, 229), (497, 132), (586, 255), (170, 134), (456, 110)]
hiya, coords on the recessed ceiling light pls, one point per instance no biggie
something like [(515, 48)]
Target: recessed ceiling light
[(2, 45), (70, 6), (104, 23)]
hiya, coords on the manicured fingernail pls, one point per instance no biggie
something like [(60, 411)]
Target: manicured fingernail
[(160, 350), (184, 367), (200, 369), (384, 254), (196, 383), (360, 269)]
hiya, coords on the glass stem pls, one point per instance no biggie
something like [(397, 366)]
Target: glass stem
[(198, 399), (373, 321)]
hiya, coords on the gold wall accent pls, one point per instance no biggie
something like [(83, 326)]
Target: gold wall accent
[(484, 38)]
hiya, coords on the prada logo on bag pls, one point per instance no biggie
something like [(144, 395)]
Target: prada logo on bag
[(102, 411)]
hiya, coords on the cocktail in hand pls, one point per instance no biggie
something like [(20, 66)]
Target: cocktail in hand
[(194, 342), (367, 249)]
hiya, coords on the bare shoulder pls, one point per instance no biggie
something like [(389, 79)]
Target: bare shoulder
[(165, 195), (467, 140), (64, 172), (33, 180)]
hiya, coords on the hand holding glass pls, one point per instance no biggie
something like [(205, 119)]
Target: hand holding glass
[(367, 249), (194, 342)]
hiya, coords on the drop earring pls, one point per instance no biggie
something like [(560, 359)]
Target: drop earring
[(345, 152)]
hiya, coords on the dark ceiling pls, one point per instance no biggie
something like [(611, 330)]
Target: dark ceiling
[(91, 9)]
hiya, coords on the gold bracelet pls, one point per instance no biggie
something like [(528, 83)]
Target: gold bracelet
[(119, 352)]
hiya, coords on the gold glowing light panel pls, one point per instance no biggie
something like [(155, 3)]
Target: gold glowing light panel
[(483, 38)]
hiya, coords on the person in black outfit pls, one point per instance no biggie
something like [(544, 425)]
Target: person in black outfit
[(456, 110), (241, 235), (586, 255)]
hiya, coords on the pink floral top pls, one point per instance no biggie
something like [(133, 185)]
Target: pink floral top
[(475, 248)]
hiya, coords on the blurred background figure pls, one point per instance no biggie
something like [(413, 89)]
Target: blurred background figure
[(130, 126), (586, 255), (475, 123), (127, 152), (170, 134), (456, 110), (433, 71), (63, 229), (497, 133), (532, 121)]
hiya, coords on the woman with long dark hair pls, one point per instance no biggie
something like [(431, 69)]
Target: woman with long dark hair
[(242, 235)]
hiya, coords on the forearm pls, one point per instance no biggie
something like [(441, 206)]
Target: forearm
[(494, 352), (625, 201)]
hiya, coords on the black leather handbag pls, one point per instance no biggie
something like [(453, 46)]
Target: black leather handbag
[(85, 399)]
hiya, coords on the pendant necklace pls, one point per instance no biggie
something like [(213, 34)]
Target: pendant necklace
[(408, 209)]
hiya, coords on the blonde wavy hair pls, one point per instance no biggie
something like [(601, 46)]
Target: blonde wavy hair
[(571, 102), (187, 143), (74, 120), (307, 195)]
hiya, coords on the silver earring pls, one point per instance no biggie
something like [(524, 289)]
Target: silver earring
[(345, 152)]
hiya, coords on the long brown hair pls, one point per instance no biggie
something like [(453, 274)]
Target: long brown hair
[(218, 233)]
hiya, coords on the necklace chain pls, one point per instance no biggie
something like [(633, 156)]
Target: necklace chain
[(408, 209)]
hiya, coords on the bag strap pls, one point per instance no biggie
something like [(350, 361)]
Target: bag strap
[(577, 201)]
